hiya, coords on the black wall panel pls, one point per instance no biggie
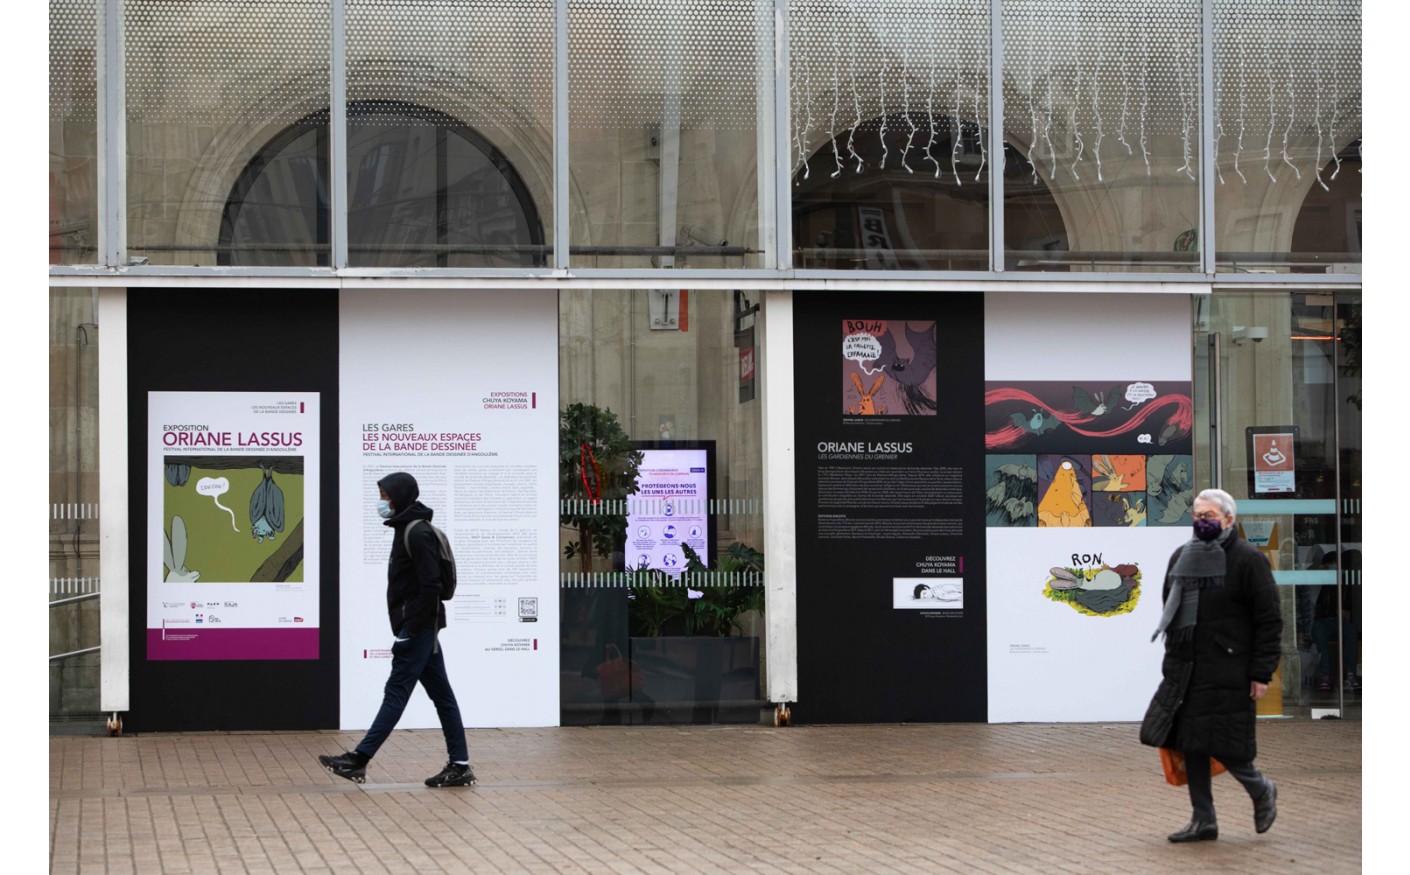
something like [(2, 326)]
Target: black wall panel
[(237, 340), (860, 658)]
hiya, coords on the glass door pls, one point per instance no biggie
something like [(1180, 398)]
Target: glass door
[(1278, 426)]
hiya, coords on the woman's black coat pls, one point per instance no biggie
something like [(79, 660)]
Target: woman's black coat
[(1203, 701)]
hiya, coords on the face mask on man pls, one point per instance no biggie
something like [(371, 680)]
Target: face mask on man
[(384, 509), (1207, 530)]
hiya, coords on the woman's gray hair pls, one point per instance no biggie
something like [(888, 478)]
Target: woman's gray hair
[(1218, 497)]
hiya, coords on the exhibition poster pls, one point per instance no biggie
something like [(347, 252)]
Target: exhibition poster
[(474, 419), (232, 528)]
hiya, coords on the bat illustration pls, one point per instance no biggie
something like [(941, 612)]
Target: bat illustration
[(910, 374), (1095, 403), (1036, 423), (266, 508)]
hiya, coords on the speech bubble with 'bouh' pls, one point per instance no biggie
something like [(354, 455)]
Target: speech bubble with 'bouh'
[(215, 487)]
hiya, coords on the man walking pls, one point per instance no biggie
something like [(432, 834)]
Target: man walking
[(417, 615), (1222, 623)]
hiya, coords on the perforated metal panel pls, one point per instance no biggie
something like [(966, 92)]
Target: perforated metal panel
[(226, 60), (73, 47), (1086, 81), (487, 63), (631, 61), (865, 67), (1287, 87)]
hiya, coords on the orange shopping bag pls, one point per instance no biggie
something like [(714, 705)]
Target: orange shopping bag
[(1174, 763)]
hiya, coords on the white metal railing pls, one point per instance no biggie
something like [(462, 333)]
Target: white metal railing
[(63, 586)]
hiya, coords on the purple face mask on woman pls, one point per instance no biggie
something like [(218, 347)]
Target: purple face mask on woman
[(1207, 530)]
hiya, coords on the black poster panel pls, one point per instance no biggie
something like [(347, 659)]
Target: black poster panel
[(238, 340), (890, 480)]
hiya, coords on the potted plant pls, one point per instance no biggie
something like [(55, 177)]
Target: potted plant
[(598, 469), (696, 639)]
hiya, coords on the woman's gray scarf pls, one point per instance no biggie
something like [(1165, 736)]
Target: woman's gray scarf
[(1199, 565)]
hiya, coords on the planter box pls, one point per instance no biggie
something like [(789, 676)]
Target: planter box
[(689, 679)]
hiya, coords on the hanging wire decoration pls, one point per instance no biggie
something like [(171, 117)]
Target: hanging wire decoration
[(906, 97), (881, 90), (930, 106), (1272, 106), (1292, 93), (1074, 18), (1332, 131), (1317, 112), (1032, 91), (856, 97), (1048, 107), (981, 83), (803, 84), (1097, 108), (1242, 29), (836, 99), (1145, 84), (956, 134), (1189, 90)]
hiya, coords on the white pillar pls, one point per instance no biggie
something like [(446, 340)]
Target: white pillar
[(114, 668), (780, 508)]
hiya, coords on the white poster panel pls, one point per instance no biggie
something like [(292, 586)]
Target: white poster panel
[(459, 390), (1089, 475), (1055, 659), (668, 509), (232, 525)]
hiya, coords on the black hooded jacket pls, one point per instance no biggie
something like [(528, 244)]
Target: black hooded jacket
[(413, 579)]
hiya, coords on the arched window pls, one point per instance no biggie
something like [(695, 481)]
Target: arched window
[(1328, 225), (920, 200), (424, 190)]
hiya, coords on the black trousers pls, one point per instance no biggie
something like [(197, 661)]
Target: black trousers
[(1202, 791)]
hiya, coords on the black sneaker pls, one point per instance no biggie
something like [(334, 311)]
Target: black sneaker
[(346, 765), (453, 775)]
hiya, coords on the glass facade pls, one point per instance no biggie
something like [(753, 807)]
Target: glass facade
[(201, 106), (587, 142), (1281, 377), (662, 578), (450, 108), (1102, 101), (1287, 136), (73, 132), (665, 102), (672, 145), (890, 133)]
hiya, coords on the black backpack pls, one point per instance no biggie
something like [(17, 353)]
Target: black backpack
[(443, 553)]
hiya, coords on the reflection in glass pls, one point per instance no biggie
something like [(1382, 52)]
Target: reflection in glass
[(1306, 375), (664, 103), (1287, 129), (73, 132), (1102, 100), (926, 207), (423, 191), (889, 115), (661, 591)]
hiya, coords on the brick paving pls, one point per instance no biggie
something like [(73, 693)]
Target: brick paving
[(910, 798)]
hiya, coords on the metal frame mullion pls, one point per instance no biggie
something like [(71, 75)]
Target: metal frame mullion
[(1207, 172), (112, 136), (783, 142), (338, 134), (996, 135), (560, 135)]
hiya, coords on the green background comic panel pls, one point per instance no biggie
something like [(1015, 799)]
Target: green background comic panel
[(220, 553)]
